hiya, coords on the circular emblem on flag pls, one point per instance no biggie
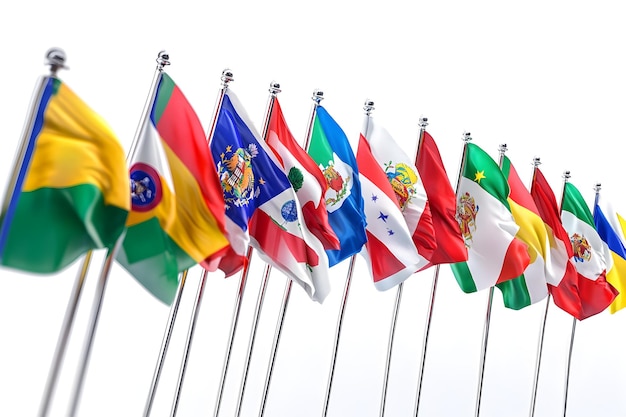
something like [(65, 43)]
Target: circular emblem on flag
[(289, 211), (145, 187)]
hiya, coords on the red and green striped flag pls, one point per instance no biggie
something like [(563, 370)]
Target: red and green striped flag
[(177, 214)]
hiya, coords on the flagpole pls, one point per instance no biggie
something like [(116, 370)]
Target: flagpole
[(162, 60), (190, 333), (533, 400), (55, 57), (226, 77), (342, 312), (569, 363), (273, 90), (167, 336), (317, 97), (423, 123), (597, 188), (64, 334), (483, 356)]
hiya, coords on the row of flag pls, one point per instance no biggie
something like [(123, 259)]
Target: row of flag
[(180, 199)]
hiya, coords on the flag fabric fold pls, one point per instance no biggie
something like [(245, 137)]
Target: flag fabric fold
[(330, 149), (610, 228), (450, 246), (261, 204), (495, 254), (590, 254), (71, 191), (390, 252), (407, 187), (306, 178), (531, 286), (177, 216)]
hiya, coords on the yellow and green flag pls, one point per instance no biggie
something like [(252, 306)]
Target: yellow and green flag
[(71, 190)]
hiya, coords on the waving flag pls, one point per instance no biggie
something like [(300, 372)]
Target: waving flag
[(305, 177), (484, 215), (71, 192), (562, 285), (590, 253), (609, 225), (531, 286), (261, 203), (450, 246), (407, 187), (177, 217), (390, 252), (330, 149)]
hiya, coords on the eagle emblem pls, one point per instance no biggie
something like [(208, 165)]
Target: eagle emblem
[(466, 211), (236, 175), (402, 179), (582, 248)]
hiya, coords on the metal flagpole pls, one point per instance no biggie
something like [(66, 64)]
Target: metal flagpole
[(342, 312), (64, 334), (171, 319), (483, 355), (597, 188), (569, 363), (533, 400), (190, 332), (162, 61), (274, 90), (55, 57), (466, 138), (318, 96), (227, 77), (423, 123)]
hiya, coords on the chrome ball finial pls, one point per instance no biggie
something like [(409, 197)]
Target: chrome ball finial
[(318, 95), (368, 106), (55, 57), (274, 88), (163, 59)]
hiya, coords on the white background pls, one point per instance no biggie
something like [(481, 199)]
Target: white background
[(545, 77)]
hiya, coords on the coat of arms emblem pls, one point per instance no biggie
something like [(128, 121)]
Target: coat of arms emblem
[(466, 211)]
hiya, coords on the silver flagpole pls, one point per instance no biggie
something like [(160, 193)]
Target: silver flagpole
[(55, 57), (569, 363), (277, 333), (190, 332), (466, 138), (64, 334), (342, 312), (542, 331), (533, 400), (167, 336), (392, 330), (274, 90), (483, 356), (317, 97), (597, 188), (162, 61), (227, 77)]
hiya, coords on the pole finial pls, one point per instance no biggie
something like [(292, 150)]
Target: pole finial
[(536, 161), (423, 122), (318, 96), (503, 148), (467, 136), (368, 106), (597, 187), (274, 88), (163, 59), (227, 76), (55, 57), (566, 175)]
